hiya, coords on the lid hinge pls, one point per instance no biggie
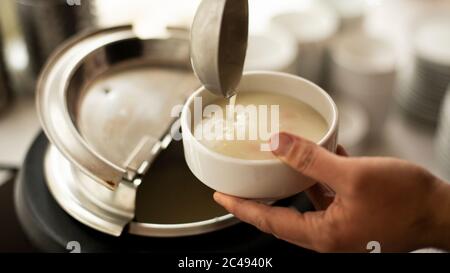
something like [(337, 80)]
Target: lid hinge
[(142, 156)]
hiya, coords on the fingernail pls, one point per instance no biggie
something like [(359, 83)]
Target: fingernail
[(281, 144), (218, 197)]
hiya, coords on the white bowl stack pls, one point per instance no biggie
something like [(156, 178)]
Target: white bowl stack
[(443, 136), (354, 125), (351, 13), (273, 50), (422, 95), (363, 69), (312, 27)]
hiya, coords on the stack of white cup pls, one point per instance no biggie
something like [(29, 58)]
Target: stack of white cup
[(271, 50), (351, 13), (363, 69), (313, 28)]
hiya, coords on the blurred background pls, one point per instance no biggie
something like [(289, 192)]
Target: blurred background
[(386, 62)]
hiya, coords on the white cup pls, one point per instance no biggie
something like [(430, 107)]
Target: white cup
[(256, 179)]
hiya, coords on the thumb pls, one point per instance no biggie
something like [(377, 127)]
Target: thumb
[(310, 159)]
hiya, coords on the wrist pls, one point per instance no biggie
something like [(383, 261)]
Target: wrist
[(440, 216)]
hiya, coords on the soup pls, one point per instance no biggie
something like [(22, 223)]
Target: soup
[(241, 129)]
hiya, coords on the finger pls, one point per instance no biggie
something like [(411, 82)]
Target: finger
[(341, 151), (284, 223), (320, 196), (311, 160)]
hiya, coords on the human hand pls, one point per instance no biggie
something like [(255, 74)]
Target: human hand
[(398, 204)]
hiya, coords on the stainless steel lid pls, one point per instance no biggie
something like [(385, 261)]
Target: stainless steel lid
[(219, 37), (105, 101), (75, 107)]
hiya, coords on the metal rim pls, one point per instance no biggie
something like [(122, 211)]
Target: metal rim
[(61, 182), (180, 230), (51, 107), (63, 186)]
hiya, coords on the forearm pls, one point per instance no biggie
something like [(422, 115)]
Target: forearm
[(440, 204)]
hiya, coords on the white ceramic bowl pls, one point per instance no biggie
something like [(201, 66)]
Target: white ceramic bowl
[(257, 179)]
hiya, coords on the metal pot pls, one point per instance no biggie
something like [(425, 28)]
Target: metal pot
[(104, 101)]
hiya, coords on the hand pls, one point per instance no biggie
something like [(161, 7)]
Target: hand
[(393, 202)]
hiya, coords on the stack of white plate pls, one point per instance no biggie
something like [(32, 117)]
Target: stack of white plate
[(443, 136), (422, 95)]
